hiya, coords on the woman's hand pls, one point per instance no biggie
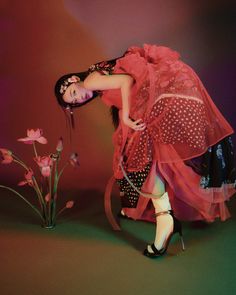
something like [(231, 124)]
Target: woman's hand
[(135, 125)]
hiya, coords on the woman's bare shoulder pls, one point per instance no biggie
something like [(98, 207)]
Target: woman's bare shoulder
[(97, 81)]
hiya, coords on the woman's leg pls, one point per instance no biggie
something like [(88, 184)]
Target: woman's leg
[(164, 225)]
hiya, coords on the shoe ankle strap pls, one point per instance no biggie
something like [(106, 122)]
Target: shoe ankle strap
[(163, 213)]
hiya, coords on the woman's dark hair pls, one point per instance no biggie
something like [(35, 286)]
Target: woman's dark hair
[(115, 116), (59, 95), (68, 107), (62, 83)]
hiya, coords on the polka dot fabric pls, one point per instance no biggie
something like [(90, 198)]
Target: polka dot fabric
[(181, 119), (182, 123), (129, 197)]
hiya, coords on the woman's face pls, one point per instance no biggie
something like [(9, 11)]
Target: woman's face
[(76, 93)]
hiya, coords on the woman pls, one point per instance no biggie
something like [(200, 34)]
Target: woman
[(172, 144)]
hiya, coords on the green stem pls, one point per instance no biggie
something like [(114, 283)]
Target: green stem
[(62, 170), (55, 177), (55, 187), (18, 194), (40, 196), (56, 181), (21, 164), (50, 199), (63, 209), (35, 151), (24, 166), (18, 159)]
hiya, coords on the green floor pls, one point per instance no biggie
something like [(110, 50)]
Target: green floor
[(82, 255)]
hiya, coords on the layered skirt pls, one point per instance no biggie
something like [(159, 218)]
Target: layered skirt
[(186, 142)]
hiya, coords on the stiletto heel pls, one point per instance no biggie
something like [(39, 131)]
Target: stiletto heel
[(177, 228), (182, 242)]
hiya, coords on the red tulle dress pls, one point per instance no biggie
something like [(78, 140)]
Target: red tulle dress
[(182, 123)]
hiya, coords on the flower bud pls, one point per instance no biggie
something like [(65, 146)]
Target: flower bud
[(69, 204), (59, 147)]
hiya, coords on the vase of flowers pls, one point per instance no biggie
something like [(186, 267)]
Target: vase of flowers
[(46, 184)]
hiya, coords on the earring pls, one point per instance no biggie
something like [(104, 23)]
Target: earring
[(69, 109)]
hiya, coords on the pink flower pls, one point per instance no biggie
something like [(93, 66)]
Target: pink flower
[(69, 204), (34, 135), (59, 147), (74, 160), (45, 164), (28, 177), (47, 198), (5, 156), (73, 79)]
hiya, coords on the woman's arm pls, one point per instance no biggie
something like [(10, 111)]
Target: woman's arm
[(96, 81)]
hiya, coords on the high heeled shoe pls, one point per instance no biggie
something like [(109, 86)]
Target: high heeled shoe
[(121, 214), (177, 228)]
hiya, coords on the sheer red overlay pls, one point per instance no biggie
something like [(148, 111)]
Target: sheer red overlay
[(182, 123)]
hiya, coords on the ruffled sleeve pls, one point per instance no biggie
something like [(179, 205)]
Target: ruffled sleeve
[(138, 62), (133, 63), (155, 54)]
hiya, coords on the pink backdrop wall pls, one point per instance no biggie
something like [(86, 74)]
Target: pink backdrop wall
[(41, 40)]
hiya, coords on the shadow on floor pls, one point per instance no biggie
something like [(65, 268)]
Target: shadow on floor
[(87, 220)]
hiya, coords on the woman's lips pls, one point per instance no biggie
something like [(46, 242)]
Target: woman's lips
[(86, 96)]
